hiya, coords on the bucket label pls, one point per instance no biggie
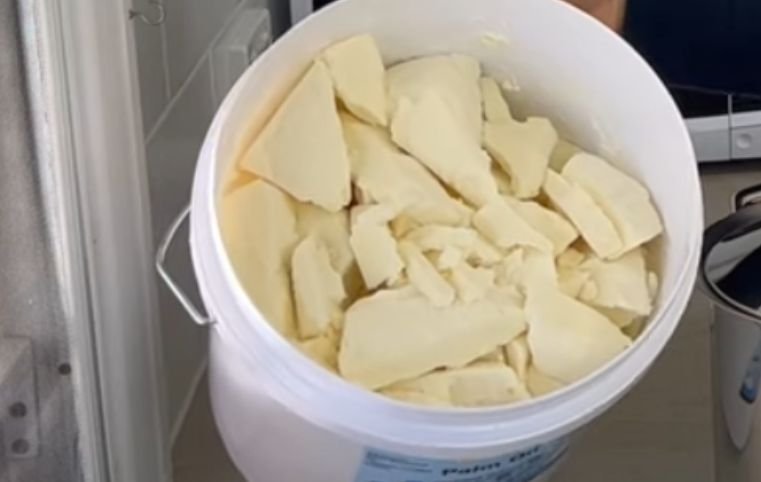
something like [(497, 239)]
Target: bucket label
[(522, 466)]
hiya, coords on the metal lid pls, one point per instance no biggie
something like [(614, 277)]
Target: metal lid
[(731, 258)]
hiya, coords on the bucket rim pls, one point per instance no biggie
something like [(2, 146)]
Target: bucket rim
[(206, 237)]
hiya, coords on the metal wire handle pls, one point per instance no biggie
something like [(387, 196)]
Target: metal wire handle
[(160, 9), (197, 315)]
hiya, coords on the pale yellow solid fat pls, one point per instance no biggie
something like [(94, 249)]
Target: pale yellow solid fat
[(479, 385), (496, 108), (578, 206), (398, 335), (316, 168), (568, 339), (549, 223), (472, 284), (621, 284), (390, 177), (427, 129), (501, 225), (450, 328), (376, 253), (323, 350), (519, 356), (317, 288), (522, 149), (538, 268), (454, 78), (424, 276), (562, 153), (332, 229), (623, 199), (261, 258), (539, 384), (359, 77)]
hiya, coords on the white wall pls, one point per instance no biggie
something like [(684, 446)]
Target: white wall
[(178, 105)]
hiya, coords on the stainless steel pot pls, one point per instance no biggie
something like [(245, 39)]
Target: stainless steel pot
[(731, 277)]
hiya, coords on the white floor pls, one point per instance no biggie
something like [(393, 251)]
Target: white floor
[(662, 432)]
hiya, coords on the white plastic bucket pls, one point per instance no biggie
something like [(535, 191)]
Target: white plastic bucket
[(282, 418)]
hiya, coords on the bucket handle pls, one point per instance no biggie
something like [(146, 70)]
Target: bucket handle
[(166, 243)]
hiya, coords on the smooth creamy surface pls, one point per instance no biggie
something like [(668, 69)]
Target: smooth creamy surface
[(405, 231)]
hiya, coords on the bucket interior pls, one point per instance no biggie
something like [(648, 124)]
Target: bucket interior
[(595, 89)]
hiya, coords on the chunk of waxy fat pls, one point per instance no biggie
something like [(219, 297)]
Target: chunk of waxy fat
[(620, 318), (549, 223), (467, 240), (621, 284), (323, 350), (495, 107), (453, 78), (653, 284), (359, 77), (428, 130), (478, 385), (392, 178), (571, 258), (501, 225), (423, 275), (332, 229), (519, 356), (374, 355), (472, 284), (318, 289), (509, 296), (522, 149), (449, 257), (571, 281), (504, 185), (403, 224), (568, 339), (623, 199), (540, 384), (261, 258), (562, 153), (372, 214), (509, 269), (316, 168), (538, 268), (593, 225), (376, 253), (524, 268), (496, 356), (483, 253)]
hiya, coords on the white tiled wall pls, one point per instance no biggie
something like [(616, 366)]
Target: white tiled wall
[(171, 154), (154, 88), (178, 105), (190, 28)]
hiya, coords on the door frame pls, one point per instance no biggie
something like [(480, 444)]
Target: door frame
[(89, 72)]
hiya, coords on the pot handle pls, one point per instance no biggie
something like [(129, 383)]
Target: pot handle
[(166, 243), (747, 197), (746, 216)]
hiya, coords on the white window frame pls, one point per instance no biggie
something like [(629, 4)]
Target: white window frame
[(90, 76)]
